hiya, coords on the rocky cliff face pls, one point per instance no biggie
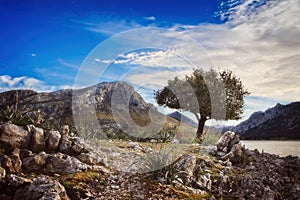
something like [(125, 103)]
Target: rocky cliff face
[(279, 122), (60, 106)]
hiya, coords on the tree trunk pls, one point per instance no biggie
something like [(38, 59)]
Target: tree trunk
[(201, 123)]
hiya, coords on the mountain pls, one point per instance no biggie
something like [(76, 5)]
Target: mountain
[(61, 107), (181, 118), (279, 122)]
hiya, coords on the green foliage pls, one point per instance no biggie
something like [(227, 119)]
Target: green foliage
[(208, 93), (155, 160), (157, 164), (20, 117), (167, 134)]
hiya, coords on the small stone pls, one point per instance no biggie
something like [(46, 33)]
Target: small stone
[(38, 142), (53, 141)]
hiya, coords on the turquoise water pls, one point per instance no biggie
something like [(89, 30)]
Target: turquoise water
[(282, 148)]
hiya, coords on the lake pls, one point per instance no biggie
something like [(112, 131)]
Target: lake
[(282, 148)]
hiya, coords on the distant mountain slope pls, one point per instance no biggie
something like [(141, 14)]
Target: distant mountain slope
[(180, 117), (279, 122), (95, 100)]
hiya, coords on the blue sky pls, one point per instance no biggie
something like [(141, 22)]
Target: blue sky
[(49, 45)]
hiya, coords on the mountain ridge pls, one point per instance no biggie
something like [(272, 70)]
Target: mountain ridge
[(278, 122)]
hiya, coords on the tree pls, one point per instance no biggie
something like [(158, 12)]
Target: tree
[(206, 94)]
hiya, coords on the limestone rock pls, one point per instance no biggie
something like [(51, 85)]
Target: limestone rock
[(17, 181), (72, 146), (64, 131), (61, 164), (35, 162), (235, 154), (185, 166), (2, 173), (53, 141), (38, 143), (224, 140), (12, 163), (93, 158), (44, 188), (13, 136)]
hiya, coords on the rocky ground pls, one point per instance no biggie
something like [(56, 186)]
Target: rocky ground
[(39, 164)]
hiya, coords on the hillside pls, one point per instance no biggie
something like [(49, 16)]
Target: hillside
[(116, 106), (180, 117), (279, 122)]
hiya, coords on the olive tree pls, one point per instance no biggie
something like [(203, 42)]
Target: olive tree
[(211, 90)]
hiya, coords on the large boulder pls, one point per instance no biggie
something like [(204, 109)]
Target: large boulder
[(38, 142), (53, 141), (13, 136), (224, 140), (43, 188)]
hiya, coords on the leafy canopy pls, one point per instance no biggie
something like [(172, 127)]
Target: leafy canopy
[(212, 94)]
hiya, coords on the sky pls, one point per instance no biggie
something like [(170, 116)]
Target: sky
[(59, 44)]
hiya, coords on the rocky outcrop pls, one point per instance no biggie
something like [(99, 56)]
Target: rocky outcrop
[(279, 122), (73, 169), (44, 187), (13, 136), (37, 151)]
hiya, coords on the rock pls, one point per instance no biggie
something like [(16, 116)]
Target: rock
[(35, 162), (13, 136), (24, 153), (12, 163), (203, 182), (135, 146), (43, 188), (235, 154), (235, 140), (17, 181), (185, 166), (93, 158), (224, 140), (64, 131), (2, 173), (72, 146), (38, 142), (62, 164), (53, 141)]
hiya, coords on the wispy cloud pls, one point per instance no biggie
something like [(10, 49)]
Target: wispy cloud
[(259, 42), (108, 27), (71, 65), (150, 18)]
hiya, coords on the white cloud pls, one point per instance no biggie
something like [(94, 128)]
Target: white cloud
[(23, 82), (259, 42), (33, 55), (150, 18), (61, 61)]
